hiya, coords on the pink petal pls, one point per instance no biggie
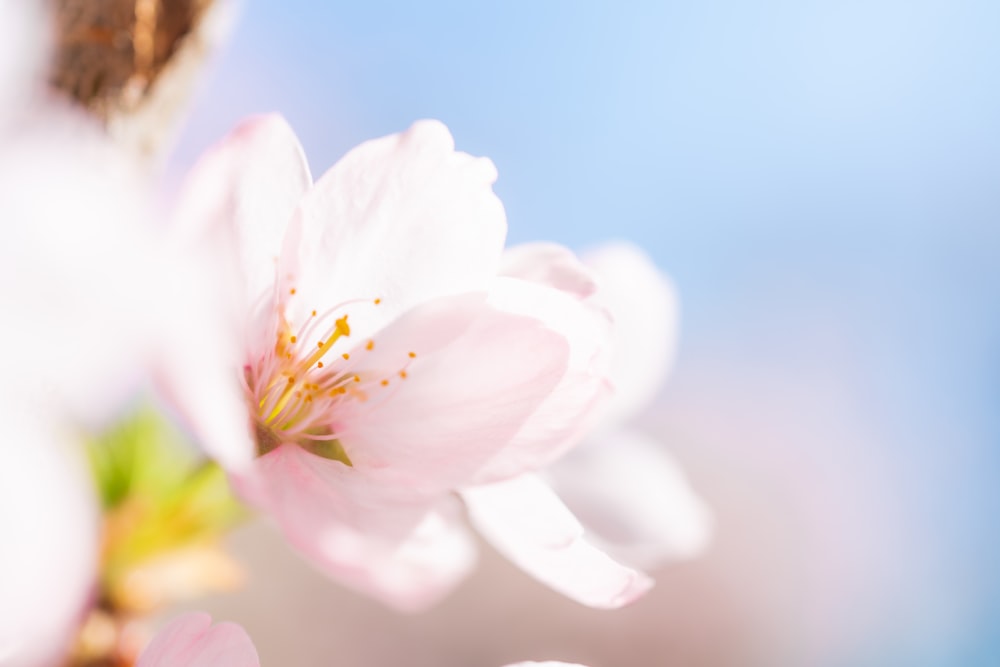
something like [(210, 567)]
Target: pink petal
[(548, 264), (404, 219), (548, 663), (633, 499), (190, 640), (567, 413), (49, 523), (527, 523), (360, 530), (643, 304), (230, 223), (240, 196), (461, 401)]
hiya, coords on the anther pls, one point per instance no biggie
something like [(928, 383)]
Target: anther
[(357, 378), (413, 355), (370, 345), (319, 364), (294, 338), (378, 301), (291, 291), (342, 327), (346, 356), (402, 374), (385, 383)]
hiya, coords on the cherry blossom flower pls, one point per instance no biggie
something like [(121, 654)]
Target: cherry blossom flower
[(386, 364), (632, 497), (190, 640)]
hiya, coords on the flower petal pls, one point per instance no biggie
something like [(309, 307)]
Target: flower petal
[(460, 402), (568, 411), (525, 520), (404, 219), (548, 264), (241, 196), (47, 512), (643, 304), (633, 499), (360, 530), (547, 663), (190, 640)]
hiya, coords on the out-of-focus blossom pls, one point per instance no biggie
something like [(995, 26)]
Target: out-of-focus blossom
[(386, 365), (630, 495), (190, 640), (89, 306), (546, 664)]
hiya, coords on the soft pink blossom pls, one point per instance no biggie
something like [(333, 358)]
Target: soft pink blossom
[(386, 364), (190, 640)]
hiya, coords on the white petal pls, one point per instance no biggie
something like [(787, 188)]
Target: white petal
[(48, 520), (526, 522), (643, 305), (548, 264), (633, 499)]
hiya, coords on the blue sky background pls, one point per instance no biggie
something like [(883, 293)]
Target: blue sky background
[(821, 179)]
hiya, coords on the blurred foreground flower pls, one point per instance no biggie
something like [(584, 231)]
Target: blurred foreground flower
[(91, 308), (387, 365), (630, 494)]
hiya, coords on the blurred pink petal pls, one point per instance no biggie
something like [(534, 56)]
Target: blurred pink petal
[(386, 364), (629, 494), (527, 523), (546, 664), (633, 499), (549, 264), (190, 640), (643, 304), (568, 413)]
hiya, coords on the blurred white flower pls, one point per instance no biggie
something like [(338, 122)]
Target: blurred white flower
[(386, 364), (91, 306), (49, 528)]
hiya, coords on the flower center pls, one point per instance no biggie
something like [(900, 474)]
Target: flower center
[(299, 387)]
